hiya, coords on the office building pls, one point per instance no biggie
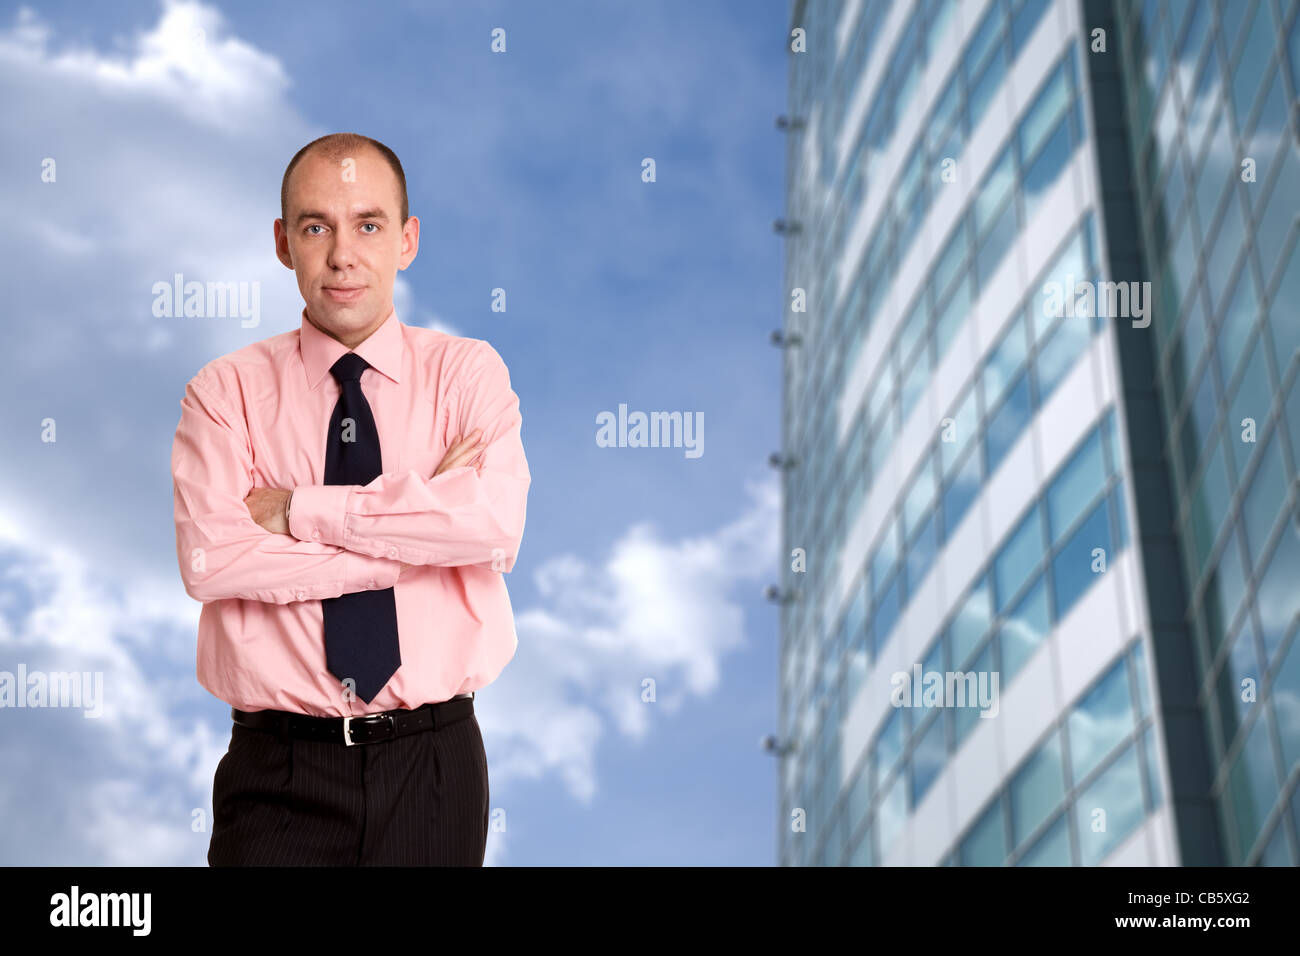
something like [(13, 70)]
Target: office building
[(1041, 432)]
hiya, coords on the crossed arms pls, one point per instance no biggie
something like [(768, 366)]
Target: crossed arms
[(346, 538)]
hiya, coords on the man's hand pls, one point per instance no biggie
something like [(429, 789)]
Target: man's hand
[(268, 506), (461, 452)]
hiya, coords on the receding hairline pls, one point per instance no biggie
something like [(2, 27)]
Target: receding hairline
[(334, 147)]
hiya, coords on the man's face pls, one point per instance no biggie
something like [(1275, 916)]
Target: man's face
[(344, 242)]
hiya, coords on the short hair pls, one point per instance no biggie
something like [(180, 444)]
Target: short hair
[(336, 146)]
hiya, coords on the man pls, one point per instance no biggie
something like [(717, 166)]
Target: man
[(348, 497)]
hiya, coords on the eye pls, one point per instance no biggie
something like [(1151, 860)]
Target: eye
[(375, 224), (314, 225)]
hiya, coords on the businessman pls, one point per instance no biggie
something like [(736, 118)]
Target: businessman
[(349, 496)]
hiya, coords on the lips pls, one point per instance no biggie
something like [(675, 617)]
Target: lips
[(344, 293)]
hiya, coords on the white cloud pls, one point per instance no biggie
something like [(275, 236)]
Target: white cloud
[(412, 313), (186, 63), (122, 784), (656, 609)]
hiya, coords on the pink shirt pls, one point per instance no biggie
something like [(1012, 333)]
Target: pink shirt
[(259, 416)]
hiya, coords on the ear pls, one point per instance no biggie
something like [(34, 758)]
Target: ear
[(282, 244), (410, 242)]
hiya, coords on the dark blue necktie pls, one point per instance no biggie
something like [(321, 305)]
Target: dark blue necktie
[(360, 628)]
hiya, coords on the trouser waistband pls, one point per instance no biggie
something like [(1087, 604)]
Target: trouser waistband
[(350, 731)]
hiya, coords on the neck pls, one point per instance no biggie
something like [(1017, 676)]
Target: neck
[(351, 337)]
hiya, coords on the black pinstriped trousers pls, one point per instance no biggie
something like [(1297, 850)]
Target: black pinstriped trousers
[(417, 800)]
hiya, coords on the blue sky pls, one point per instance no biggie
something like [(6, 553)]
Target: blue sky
[(525, 170)]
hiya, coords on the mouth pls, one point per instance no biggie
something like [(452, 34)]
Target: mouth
[(344, 293)]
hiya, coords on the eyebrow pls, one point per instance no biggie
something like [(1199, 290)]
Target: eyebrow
[(364, 214)]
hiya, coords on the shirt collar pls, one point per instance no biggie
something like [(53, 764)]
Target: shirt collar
[(382, 350)]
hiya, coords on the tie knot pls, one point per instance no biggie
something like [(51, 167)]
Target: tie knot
[(349, 368)]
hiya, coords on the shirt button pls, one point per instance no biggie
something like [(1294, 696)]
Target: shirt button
[(316, 535), (370, 583), (392, 552), (302, 595)]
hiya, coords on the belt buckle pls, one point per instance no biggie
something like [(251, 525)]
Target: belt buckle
[(347, 727)]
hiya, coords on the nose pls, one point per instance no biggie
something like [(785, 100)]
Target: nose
[(342, 253)]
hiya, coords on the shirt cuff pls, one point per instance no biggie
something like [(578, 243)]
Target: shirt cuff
[(365, 573), (319, 513)]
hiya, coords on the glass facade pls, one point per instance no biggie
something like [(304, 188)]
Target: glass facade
[(1096, 758), (966, 462), (1212, 88), (1030, 583)]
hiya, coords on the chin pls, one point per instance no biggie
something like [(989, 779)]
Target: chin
[(343, 308)]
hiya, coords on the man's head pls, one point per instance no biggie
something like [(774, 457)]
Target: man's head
[(345, 230)]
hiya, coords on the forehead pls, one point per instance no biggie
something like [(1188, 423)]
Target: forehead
[(343, 179)]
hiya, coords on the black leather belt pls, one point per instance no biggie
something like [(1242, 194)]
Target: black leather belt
[(349, 731)]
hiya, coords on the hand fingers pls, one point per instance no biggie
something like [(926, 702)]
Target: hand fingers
[(459, 455), (469, 442), (462, 457), (458, 442)]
